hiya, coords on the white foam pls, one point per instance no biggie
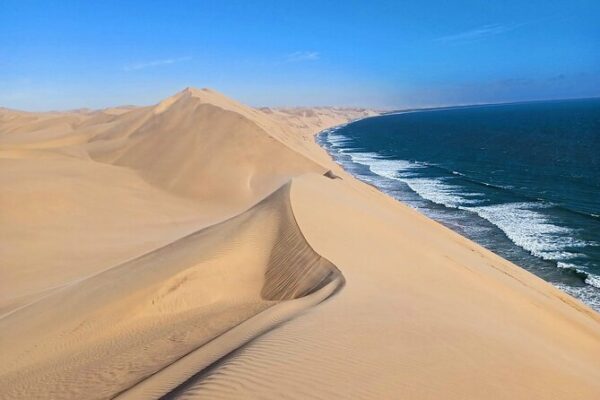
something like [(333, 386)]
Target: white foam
[(525, 224), (591, 279), (336, 140), (574, 267), (436, 190), (391, 169), (531, 229), (587, 294), (440, 192)]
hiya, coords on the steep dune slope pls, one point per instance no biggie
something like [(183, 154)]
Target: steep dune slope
[(192, 140), (113, 184), (424, 314), (102, 335)]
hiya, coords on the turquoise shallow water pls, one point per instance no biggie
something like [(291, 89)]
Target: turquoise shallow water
[(521, 179)]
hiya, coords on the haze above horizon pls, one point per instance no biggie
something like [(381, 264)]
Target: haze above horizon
[(385, 54)]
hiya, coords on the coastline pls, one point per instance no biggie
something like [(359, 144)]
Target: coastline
[(447, 202), (311, 365), (424, 312)]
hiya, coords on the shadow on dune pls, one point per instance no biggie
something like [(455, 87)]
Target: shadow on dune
[(144, 327)]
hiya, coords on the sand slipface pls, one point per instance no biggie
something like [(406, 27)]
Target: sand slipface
[(200, 248)]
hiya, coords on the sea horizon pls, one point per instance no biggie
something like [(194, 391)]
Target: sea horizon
[(467, 105)]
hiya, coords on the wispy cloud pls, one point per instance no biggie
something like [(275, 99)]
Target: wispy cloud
[(299, 56), (155, 63), (480, 33)]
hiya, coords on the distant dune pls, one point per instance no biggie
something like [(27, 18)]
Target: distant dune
[(200, 248)]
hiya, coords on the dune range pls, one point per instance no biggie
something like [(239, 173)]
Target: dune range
[(200, 248)]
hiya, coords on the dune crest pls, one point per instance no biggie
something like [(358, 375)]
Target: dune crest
[(109, 332), (122, 184), (206, 123)]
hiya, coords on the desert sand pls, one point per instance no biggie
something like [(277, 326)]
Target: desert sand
[(201, 248)]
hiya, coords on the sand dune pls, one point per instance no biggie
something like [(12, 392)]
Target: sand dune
[(121, 185), (104, 334), (186, 249), (187, 131), (424, 314)]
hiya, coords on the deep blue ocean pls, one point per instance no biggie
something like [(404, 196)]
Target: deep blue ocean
[(521, 179)]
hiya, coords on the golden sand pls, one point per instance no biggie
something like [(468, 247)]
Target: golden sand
[(200, 248)]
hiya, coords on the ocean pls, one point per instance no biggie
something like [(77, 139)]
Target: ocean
[(521, 179)]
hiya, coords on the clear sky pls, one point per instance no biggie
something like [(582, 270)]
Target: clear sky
[(70, 54)]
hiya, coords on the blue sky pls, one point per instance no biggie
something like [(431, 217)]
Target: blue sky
[(393, 54)]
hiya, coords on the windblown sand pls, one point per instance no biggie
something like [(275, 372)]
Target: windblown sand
[(200, 248)]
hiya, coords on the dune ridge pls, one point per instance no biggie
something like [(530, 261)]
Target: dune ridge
[(185, 250), (201, 286), (141, 178)]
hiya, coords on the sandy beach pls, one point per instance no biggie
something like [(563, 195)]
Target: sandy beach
[(201, 248)]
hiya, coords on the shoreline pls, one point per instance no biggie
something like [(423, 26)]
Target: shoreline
[(588, 280)]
